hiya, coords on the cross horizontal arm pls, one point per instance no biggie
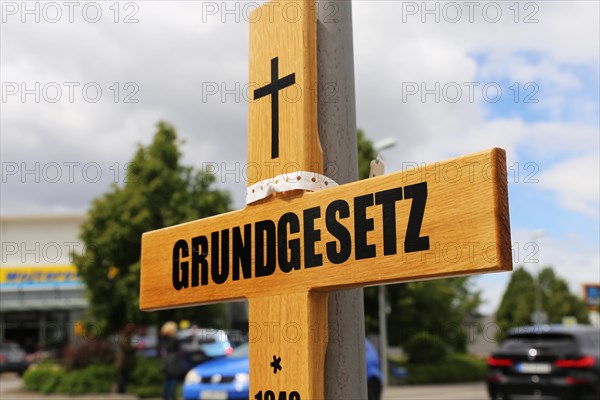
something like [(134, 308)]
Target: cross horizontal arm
[(287, 81), (263, 91), (438, 220)]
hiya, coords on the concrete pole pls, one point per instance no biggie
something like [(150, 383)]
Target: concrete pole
[(383, 334), (345, 366)]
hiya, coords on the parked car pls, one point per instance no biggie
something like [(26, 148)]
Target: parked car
[(12, 358), (229, 378), (200, 345), (546, 362), (197, 345)]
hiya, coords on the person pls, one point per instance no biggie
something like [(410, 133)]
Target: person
[(170, 359), (125, 358)]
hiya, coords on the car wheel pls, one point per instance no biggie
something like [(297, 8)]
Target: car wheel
[(374, 389)]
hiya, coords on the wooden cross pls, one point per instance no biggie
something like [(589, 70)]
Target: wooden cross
[(285, 252)]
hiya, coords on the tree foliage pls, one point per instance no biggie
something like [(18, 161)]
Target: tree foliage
[(366, 153), (519, 300), (437, 307), (557, 299), (158, 192)]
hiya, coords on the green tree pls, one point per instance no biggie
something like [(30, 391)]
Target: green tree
[(437, 307), (557, 299), (366, 153), (519, 300), (158, 192)]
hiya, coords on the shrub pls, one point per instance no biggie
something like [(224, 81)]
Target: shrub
[(146, 379), (51, 378), (457, 340), (456, 368), (48, 377), (97, 378), (147, 371), (43, 377), (97, 351), (423, 348)]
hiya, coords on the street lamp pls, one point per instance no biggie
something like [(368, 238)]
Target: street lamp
[(538, 316), (380, 145), (384, 144)]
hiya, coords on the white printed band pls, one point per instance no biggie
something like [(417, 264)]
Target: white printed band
[(302, 180)]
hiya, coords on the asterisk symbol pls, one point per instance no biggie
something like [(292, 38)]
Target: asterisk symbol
[(275, 364)]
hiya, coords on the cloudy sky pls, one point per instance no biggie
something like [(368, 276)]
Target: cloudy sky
[(83, 83)]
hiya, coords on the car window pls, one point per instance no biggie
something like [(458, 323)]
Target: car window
[(521, 340), (593, 341), (202, 336), (240, 351), (9, 346), (199, 339)]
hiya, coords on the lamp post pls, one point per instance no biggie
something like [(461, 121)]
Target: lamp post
[(380, 145), (384, 144), (538, 316)]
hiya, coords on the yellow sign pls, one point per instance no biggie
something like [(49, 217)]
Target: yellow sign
[(39, 275), (591, 295)]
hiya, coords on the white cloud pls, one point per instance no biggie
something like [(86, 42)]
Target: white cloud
[(519, 69), (171, 53), (573, 259), (576, 182)]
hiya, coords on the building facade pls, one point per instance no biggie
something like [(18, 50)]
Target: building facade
[(41, 295)]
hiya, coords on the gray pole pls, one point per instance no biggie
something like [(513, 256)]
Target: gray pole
[(383, 333), (345, 366)]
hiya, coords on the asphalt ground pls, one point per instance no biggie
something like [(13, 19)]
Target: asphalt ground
[(11, 389), (463, 391)]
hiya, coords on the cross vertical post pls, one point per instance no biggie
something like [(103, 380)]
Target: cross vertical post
[(295, 321)]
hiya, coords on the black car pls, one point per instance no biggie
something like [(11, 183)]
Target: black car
[(546, 362), (12, 358)]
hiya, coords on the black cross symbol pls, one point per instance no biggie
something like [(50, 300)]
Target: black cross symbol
[(273, 89), (276, 364)]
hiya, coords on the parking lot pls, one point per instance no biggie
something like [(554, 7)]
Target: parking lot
[(465, 391), (10, 384)]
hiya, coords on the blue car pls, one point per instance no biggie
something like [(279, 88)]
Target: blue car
[(229, 378)]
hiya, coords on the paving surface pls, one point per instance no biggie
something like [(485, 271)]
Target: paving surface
[(464, 391), (10, 389)]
